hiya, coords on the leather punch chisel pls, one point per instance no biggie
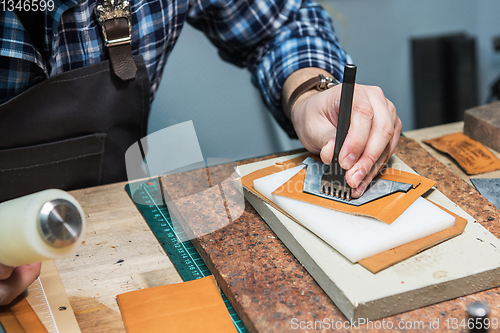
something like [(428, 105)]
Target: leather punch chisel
[(333, 181)]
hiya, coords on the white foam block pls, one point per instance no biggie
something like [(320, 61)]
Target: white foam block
[(357, 237)]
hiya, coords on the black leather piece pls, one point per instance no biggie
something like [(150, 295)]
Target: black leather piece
[(120, 55), (122, 61), (116, 28), (74, 104)]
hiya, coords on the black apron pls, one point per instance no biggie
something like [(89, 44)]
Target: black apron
[(72, 130)]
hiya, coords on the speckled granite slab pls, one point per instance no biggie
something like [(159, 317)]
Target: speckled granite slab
[(442, 272), (272, 291)]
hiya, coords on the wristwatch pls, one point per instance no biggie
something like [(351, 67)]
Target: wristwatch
[(319, 82)]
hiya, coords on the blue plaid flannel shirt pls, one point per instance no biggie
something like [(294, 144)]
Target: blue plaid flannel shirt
[(272, 38)]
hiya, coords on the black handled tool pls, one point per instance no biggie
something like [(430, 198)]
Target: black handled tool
[(333, 181)]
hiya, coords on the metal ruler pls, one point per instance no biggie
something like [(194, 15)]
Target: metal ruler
[(48, 299), (39, 304), (169, 233)]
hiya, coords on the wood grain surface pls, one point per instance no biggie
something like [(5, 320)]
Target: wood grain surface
[(119, 254)]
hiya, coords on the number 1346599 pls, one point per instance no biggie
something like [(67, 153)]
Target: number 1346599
[(27, 5)]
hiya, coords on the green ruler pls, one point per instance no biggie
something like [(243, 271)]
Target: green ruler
[(184, 256)]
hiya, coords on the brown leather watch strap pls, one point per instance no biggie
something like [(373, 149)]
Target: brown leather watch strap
[(120, 54), (319, 82)]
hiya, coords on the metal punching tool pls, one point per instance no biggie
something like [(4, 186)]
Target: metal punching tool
[(333, 181)]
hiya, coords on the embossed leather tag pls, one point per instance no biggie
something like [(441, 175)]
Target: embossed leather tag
[(471, 155)]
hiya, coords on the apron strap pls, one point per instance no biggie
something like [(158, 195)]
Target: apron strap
[(115, 20)]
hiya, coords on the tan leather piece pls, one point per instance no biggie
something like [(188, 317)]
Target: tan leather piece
[(471, 155), (386, 209), (391, 257), (247, 181), (19, 317), (193, 306), (10, 322)]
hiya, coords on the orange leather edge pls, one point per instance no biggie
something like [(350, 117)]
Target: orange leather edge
[(391, 257), (386, 209), (20, 317)]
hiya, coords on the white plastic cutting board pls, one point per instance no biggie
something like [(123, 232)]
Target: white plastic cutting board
[(357, 237)]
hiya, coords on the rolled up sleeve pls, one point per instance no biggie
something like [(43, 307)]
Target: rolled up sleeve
[(272, 39)]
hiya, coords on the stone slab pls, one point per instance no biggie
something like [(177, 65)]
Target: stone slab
[(273, 292), (444, 272), (482, 124), (489, 188)]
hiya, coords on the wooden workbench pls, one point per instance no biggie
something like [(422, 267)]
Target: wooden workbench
[(266, 284)]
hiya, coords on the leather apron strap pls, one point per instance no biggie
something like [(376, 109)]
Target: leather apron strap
[(72, 130), (115, 20)]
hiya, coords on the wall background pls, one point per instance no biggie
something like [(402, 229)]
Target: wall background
[(232, 122)]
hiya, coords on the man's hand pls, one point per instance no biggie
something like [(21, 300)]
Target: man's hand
[(372, 137), (13, 281)]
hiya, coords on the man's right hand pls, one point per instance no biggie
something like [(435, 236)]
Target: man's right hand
[(373, 134), (13, 281)]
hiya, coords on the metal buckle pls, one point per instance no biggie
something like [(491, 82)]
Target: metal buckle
[(326, 82), (111, 10)]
